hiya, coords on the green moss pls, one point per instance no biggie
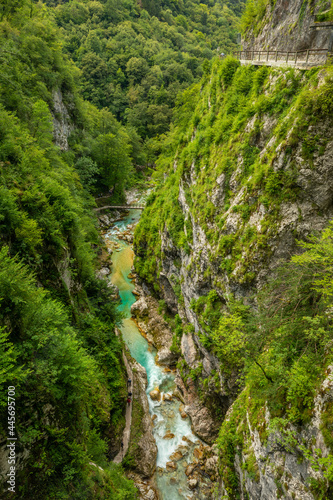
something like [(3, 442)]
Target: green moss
[(327, 424)]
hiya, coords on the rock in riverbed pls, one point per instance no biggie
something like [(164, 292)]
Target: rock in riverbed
[(171, 466), (155, 395), (168, 435), (192, 483)]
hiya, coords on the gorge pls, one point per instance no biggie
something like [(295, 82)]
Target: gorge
[(215, 299)]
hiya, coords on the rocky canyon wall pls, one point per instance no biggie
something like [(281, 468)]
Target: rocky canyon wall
[(288, 25)]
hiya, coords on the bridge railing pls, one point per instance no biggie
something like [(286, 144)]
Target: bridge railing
[(120, 207), (309, 56)]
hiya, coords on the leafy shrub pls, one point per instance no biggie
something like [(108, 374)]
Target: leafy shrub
[(228, 70)]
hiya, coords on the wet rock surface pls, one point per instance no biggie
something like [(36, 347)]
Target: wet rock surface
[(142, 442), (155, 395), (154, 327), (146, 488), (198, 462)]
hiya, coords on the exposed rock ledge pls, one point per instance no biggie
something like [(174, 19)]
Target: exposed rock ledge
[(282, 470), (154, 327), (203, 425), (142, 442)]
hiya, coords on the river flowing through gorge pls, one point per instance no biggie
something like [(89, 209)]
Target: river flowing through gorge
[(177, 453)]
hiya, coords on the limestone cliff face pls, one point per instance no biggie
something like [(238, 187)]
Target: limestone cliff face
[(197, 274), (278, 467), (287, 26), (62, 123)]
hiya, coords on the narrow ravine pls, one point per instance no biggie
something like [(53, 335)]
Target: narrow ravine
[(176, 453)]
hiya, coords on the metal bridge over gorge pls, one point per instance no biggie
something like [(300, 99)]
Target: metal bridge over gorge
[(120, 207)]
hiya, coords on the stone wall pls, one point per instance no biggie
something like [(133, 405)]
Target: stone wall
[(287, 27)]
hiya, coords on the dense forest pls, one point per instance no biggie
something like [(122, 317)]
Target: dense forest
[(87, 89), (135, 58), (58, 345)]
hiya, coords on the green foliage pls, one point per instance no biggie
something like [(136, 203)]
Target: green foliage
[(254, 13), (288, 355), (229, 440), (57, 340), (229, 340), (177, 336), (9, 367), (322, 14), (88, 171), (136, 57), (113, 161), (317, 262), (228, 70)]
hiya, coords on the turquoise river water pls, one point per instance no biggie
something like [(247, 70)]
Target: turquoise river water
[(172, 485)]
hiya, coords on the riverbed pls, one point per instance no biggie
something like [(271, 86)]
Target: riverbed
[(171, 481)]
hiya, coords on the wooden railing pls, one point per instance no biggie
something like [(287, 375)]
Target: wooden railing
[(309, 56)]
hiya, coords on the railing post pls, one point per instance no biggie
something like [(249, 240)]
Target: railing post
[(267, 54), (287, 57), (307, 55), (295, 57), (259, 55), (276, 54), (252, 55)]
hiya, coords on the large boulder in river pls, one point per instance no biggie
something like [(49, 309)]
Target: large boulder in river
[(155, 395), (192, 483), (168, 435), (139, 307)]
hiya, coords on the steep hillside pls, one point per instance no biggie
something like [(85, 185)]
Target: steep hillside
[(66, 67), (245, 176), (58, 345)]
